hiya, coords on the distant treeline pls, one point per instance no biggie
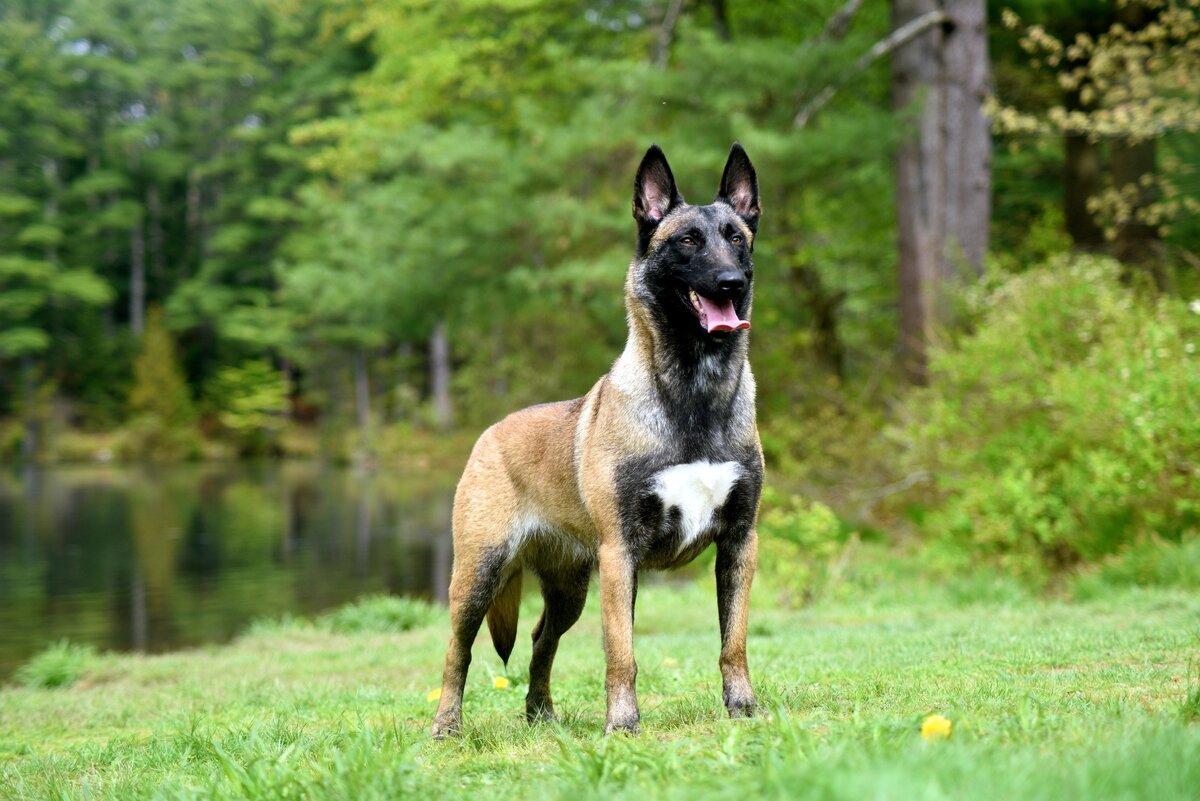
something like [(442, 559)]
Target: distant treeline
[(228, 220)]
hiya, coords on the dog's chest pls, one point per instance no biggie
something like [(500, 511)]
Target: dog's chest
[(697, 490)]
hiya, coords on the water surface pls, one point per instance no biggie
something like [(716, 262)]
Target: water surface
[(157, 558)]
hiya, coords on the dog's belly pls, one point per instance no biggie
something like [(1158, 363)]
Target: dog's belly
[(691, 493)]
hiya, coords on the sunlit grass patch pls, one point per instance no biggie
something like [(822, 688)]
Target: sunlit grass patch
[(372, 614), (1036, 693), (381, 614), (60, 665)]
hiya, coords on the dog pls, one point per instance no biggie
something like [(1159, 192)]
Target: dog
[(660, 459)]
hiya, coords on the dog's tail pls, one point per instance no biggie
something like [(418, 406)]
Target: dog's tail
[(502, 616)]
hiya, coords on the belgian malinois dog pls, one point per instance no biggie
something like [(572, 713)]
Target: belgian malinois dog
[(658, 460)]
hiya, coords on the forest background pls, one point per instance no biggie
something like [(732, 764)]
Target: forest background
[(363, 230)]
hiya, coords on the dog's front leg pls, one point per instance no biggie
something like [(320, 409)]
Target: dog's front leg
[(736, 559), (618, 586)]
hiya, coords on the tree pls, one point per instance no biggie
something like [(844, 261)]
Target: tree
[(943, 179), (1128, 80), (41, 274)]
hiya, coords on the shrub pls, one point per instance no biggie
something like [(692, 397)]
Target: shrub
[(1067, 425), (60, 665), (801, 547), (162, 426), (251, 401), (380, 614), (1150, 561)]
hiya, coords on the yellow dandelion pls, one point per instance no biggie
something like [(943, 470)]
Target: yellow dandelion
[(935, 727), (500, 683), (669, 662), (434, 694)]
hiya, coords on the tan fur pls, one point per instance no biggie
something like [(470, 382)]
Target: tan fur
[(674, 224), (539, 493), (554, 465)]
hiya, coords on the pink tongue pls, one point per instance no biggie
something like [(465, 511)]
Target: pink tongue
[(720, 316)]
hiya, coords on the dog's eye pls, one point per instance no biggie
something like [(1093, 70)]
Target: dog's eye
[(736, 239), (687, 241)]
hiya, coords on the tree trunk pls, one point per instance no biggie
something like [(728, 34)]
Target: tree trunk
[(966, 132), (824, 305), (50, 207), (721, 21), (1081, 180), (439, 366), (194, 217), (30, 441), (362, 391), (1134, 165), (943, 171), (158, 256), (137, 277)]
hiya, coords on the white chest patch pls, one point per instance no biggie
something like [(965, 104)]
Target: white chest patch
[(696, 489)]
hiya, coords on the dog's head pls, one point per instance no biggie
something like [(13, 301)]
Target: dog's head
[(693, 268)]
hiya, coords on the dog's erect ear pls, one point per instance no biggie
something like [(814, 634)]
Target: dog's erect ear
[(739, 187), (654, 192)]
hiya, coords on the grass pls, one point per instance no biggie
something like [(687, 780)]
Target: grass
[(60, 665), (1094, 699)]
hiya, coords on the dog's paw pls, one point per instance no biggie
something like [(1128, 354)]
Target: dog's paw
[(742, 709), (446, 726), (623, 714), (631, 725), (740, 703), (539, 711)]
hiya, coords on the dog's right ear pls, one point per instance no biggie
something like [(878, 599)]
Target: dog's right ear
[(654, 194)]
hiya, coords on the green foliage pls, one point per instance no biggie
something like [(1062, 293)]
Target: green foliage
[(502, 166), (162, 425), (60, 665), (1151, 561), (362, 764), (251, 402), (803, 547), (380, 614), (1088, 707), (1190, 708), (159, 389), (1066, 425)]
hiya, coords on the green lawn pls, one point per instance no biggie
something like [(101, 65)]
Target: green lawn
[(1047, 699)]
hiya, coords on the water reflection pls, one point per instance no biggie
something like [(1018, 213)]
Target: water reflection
[(159, 558)]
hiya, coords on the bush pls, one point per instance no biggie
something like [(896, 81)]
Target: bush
[(1152, 561), (148, 438), (162, 427), (60, 665), (1067, 425), (380, 614), (802, 547), (251, 402)]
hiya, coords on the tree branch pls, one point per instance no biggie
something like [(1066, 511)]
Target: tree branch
[(893, 41), (837, 25), (662, 48)]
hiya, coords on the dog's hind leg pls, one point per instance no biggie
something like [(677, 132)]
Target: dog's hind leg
[(476, 579), (564, 592)]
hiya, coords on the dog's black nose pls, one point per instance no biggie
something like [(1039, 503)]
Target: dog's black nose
[(731, 281)]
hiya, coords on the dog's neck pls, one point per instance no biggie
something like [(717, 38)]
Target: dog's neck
[(681, 365)]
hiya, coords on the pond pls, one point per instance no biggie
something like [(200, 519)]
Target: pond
[(158, 558)]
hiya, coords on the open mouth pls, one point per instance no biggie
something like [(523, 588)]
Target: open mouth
[(716, 315)]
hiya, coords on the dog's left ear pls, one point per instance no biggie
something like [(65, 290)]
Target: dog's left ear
[(739, 187)]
